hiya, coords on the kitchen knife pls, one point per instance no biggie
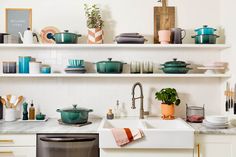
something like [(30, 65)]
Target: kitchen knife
[(235, 98), (227, 100)]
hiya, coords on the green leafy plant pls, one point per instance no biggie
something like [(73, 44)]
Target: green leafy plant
[(168, 96), (93, 14)]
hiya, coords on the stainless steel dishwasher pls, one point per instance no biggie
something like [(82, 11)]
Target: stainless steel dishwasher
[(67, 145)]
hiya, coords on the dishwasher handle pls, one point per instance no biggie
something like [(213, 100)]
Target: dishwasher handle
[(67, 139)]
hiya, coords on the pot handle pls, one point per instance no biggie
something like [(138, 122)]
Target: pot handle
[(90, 110), (79, 35), (184, 32), (51, 36), (193, 36), (58, 110)]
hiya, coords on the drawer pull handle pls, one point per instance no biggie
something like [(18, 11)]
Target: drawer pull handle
[(6, 141), (6, 152)]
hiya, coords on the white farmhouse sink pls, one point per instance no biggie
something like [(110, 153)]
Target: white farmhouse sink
[(165, 134)]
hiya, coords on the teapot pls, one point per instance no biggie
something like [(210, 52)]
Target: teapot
[(28, 37)]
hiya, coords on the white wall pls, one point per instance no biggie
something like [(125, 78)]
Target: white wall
[(100, 94)]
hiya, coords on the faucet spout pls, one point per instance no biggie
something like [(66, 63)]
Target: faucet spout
[(142, 112)]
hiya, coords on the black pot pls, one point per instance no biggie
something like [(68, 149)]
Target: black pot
[(2, 37), (205, 39), (109, 66)]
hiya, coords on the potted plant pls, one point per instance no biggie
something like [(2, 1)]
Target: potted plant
[(94, 24), (169, 98)]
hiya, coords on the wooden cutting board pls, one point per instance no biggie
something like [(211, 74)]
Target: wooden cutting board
[(164, 18)]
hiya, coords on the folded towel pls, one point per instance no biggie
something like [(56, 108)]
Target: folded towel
[(124, 136), (130, 40)]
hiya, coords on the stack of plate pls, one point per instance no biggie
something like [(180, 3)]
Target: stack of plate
[(73, 69), (216, 122), (214, 68)]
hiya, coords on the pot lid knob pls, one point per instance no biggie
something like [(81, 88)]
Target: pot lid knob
[(66, 31), (174, 59), (74, 106), (109, 59), (205, 26)]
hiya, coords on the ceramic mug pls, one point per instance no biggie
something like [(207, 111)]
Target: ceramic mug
[(10, 114), (24, 64), (9, 67), (164, 36)]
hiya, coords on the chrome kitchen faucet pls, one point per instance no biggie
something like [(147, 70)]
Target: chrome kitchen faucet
[(142, 112)]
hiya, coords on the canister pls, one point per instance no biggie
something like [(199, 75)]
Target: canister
[(24, 64), (45, 69), (9, 67), (34, 67)]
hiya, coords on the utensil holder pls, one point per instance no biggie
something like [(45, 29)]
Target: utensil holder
[(10, 114)]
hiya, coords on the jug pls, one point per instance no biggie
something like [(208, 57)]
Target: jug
[(177, 35), (28, 37)]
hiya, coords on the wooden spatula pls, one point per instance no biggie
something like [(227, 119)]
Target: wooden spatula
[(164, 19)]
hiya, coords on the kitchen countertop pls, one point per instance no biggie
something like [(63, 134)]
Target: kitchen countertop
[(200, 129), (50, 126)]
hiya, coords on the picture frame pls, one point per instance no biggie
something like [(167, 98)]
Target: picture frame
[(17, 20)]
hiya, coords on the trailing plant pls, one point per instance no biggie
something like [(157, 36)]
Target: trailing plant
[(93, 14), (168, 96)]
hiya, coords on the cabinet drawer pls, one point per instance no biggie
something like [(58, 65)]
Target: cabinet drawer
[(17, 140), (18, 151)]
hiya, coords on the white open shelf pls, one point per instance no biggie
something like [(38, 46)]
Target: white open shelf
[(155, 46), (96, 75)]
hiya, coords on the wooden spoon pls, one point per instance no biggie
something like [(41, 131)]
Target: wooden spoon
[(18, 101)]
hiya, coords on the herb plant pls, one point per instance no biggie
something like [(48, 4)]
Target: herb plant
[(168, 96)]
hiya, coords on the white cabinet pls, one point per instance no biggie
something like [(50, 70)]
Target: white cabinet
[(18, 151), (215, 146), (146, 152), (15, 145)]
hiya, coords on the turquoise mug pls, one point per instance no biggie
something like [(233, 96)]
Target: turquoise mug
[(24, 64), (45, 69)]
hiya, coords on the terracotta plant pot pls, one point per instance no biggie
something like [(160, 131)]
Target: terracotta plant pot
[(164, 36), (95, 36), (168, 111)]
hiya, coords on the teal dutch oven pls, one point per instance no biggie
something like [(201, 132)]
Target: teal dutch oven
[(75, 115)]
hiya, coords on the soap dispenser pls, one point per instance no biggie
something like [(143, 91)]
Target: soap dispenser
[(117, 110)]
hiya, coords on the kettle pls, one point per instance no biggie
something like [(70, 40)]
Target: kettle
[(28, 37)]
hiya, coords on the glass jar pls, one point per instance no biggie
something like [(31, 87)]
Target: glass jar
[(195, 114)]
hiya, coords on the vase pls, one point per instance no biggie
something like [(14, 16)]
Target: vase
[(95, 36), (164, 36), (168, 111)]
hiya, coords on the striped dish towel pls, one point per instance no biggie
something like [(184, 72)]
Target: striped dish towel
[(124, 136)]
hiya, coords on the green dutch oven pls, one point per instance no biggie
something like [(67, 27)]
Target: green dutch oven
[(65, 37), (175, 67), (109, 66), (176, 70), (175, 63), (75, 115)]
